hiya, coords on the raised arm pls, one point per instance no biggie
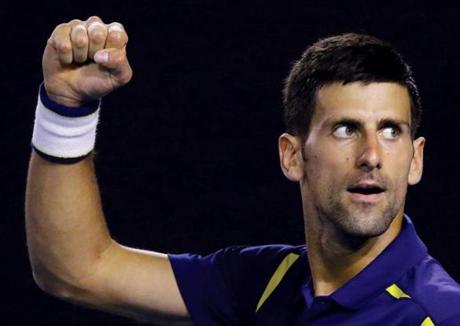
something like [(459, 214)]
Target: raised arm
[(71, 252)]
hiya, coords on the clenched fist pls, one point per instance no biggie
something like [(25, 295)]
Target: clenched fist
[(85, 60)]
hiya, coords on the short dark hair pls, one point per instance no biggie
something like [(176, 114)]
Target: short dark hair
[(343, 58)]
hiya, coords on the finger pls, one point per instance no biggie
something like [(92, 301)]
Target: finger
[(94, 19), (97, 34), (117, 37), (116, 61), (79, 39), (60, 41)]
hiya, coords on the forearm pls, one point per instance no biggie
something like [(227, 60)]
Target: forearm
[(70, 248), (66, 229)]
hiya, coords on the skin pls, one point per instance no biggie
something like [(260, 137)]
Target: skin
[(70, 248), (73, 255), (359, 135)]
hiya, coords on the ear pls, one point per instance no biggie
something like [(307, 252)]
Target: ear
[(416, 165), (291, 160)]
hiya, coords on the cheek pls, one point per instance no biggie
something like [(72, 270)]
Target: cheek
[(326, 168), (398, 166)]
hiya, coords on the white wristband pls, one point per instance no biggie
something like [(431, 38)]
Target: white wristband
[(63, 132)]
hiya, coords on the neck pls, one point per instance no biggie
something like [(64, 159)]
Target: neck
[(335, 258)]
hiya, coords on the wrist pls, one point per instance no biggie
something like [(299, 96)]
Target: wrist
[(73, 109), (58, 97), (64, 134), (65, 101)]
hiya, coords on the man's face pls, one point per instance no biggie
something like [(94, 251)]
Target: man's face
[(359, 157)]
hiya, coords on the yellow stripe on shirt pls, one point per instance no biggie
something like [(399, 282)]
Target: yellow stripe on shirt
[(397, 293), (276, 278), (427, 322)]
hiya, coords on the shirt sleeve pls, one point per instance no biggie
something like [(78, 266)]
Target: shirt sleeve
[(223, 288)]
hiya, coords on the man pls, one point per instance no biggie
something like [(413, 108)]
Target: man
[(352, 110)]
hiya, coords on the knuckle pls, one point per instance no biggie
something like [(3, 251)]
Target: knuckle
[(59, 29), (63, 47), (116, 27), (94, 18), (115, 37), (95, 25), (80, 41), (60, 26), (75, 21), (98, 36)]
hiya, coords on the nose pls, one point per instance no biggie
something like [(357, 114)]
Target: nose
[(369, 155)]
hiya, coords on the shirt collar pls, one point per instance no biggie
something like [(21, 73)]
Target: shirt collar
[(405, 251)]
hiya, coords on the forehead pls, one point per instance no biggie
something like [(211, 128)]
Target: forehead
[(366, 102)]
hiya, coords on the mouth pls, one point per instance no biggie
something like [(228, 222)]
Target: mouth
[(366, 193)]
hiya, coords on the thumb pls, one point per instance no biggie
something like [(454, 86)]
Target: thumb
[(116, 62)]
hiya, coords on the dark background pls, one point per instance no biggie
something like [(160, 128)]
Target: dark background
[(187, 155)]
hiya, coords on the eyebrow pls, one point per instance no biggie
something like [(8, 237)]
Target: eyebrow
[(357, 122)]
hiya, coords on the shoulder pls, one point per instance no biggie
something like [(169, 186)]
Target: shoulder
[(244, 254), (431, 287), (271, 252), (230, 280)]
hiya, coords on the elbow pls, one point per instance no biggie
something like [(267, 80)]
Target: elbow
[(44, 284), (54, 285), (76, 282)]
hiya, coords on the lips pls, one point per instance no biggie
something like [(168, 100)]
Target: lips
[(367, 192), (366, 189)]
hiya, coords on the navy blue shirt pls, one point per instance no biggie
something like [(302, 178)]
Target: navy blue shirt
[(271, 285)]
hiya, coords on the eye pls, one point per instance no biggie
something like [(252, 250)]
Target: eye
[(390, 133), (344, 131)]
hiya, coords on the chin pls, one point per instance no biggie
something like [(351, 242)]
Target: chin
[(365, 224), (366, 231)]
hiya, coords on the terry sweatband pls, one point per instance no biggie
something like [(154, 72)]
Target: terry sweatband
[(64, 134)]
